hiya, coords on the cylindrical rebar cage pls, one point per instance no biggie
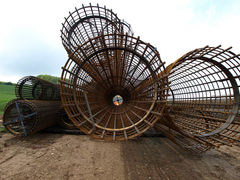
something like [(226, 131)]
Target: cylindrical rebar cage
[(110, 91), (33, 88), (89, 22), (25, 117), (205, 94)]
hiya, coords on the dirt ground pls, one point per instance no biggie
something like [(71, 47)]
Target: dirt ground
[(57, 156)]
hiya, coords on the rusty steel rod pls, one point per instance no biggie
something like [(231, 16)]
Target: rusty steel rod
[(114, 75), (88, 22), (115, 87), (64, 120), (26, 117), (204, 95), (33, 88)]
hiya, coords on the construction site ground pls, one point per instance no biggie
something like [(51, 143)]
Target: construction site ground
[(61, 156)]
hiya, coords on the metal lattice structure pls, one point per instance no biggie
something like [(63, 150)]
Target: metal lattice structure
[(26, 117), (114, 86), (33, 88), (115, 65), (88, 22), (108, 85), (204, 99), (186, 141)]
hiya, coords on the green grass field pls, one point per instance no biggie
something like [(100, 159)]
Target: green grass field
[(7, 93)]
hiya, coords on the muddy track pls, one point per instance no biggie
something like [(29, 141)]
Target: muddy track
[(55, 156)]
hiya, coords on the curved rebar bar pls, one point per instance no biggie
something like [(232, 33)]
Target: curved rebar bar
[(89, 22), (115, 87), (24, 117), (115, 65), (64, 120), (205, 89), (33, 88)]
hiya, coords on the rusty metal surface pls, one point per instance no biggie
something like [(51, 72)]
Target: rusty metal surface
[(33, 88), (116, 64), (26, 117), (108, 85), (204, 96), (64, 120), (114, 86), (88, 22)]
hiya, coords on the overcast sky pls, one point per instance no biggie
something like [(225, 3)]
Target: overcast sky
[(30, 41)]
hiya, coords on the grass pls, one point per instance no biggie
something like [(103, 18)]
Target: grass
[(3, 130), (7, 93)]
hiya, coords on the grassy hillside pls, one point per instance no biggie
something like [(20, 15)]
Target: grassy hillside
[(7, 93), (7, 90), (50, 78)]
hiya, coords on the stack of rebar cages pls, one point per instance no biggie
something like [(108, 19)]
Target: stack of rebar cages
[(109, 86), (114, 86), (36, 107), (203, 106)]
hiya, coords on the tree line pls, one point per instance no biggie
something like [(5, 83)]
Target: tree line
[(50, 78)]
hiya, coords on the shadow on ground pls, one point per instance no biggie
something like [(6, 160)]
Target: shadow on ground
[(159, 158)]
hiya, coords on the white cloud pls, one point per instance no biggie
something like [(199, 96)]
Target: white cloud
[(174, 27), (10, 78)]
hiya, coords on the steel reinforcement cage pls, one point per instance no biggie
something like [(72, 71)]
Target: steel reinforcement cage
[(204, 101), (26, 117), (88, 22), (115, 65), (115, 87), (33, 88)]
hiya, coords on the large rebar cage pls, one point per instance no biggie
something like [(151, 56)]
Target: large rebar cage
[(89, 22), (115, 87), (33, 88), (110, 89), (108, 86), (26, 117), (204, 98)]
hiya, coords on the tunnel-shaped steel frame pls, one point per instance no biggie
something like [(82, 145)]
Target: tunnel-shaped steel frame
[(132, 59), (26, 117), (88, 22), (33, 88), (226, 64)]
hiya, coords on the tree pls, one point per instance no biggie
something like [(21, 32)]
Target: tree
[(50, 78)]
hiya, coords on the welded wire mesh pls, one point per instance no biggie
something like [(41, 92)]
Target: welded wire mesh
[(114, 86), (205, 95), (89, 22), (33, 88), (116, 64), (26, 117)]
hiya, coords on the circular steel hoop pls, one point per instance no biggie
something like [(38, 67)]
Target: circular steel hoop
[(33, 88), (24, 117), (205, 85), (113, 64), (89, 22)]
